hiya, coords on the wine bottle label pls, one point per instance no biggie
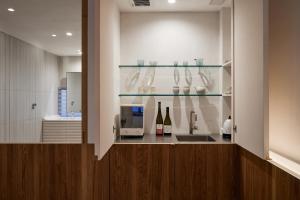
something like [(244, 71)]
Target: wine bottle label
[(167, 129), (159, 129)]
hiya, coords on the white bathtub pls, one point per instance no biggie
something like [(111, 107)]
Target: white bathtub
[(58, 129), (59, 118)]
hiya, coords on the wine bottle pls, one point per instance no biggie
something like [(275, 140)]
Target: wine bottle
[(167, 124), (159, 121)]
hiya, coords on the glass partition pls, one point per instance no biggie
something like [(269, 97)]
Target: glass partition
[(40, 45)]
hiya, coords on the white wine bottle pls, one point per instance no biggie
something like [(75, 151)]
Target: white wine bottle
[(159, 122), (167, 124)]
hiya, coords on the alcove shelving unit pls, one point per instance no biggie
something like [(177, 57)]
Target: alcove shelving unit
[(226, 90), (150, 84)]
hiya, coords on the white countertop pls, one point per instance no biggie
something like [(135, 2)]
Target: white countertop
[(153, 139)]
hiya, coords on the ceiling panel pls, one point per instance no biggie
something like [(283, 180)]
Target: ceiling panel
[(34, 21), (179, 6)]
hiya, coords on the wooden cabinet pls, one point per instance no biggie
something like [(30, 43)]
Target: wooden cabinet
[(205, 171), (139, 171)]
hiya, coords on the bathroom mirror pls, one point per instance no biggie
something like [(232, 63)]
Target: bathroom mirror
[(40, 69), (74, 93)]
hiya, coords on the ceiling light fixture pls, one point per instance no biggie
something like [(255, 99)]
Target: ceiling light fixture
[(53, 35), (171, 1), (69, 34), (11, 10)]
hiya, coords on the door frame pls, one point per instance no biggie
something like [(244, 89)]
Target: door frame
[(84, 74)]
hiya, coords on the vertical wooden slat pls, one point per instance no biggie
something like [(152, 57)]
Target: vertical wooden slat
[(84, 70)]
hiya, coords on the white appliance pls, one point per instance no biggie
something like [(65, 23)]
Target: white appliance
[(227, 126), (132, 120)]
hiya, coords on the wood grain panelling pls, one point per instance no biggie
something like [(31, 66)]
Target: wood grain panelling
[(84, 73), (284, 186), (55, 172), (255, 176), (141, 172), (260, 180), (205, 172), (101, 181)]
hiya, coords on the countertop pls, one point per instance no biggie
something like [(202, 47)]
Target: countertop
[(153, 139)]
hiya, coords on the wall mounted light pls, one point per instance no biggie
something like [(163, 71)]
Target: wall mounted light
[(11, 10), (69, 34), (53, 35)]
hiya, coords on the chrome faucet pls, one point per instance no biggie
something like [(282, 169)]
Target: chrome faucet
[(193, 119)]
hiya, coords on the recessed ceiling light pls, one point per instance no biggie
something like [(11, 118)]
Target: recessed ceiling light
[(172, 1), (11, 10), (69, 34), (79, 52), (53, 35)]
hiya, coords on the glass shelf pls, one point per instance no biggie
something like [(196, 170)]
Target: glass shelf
[(170, 95), (227, 64), (170, 66)]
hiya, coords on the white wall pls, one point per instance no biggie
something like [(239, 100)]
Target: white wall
[(68, 64), (226, 51), (284, 78), (28, 75), (167, 37), (225, 26), (4, 91), (74, 95)]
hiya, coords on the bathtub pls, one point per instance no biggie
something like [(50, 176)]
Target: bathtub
[(59, 118), (57, 129)]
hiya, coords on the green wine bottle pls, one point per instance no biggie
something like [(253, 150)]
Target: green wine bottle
[(159, 122), (167, 124)]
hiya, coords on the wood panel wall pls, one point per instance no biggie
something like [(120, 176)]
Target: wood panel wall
[(260, 180), (71, 172), (56, 172), (205, 171), (84, 89), (141, 172)]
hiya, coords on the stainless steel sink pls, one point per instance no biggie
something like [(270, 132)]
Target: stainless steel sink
[(195, 138)]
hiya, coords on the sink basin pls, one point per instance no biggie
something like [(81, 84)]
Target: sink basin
[(195, 138)]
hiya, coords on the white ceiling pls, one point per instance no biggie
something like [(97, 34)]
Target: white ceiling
[(179, 6), (34, 21)]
